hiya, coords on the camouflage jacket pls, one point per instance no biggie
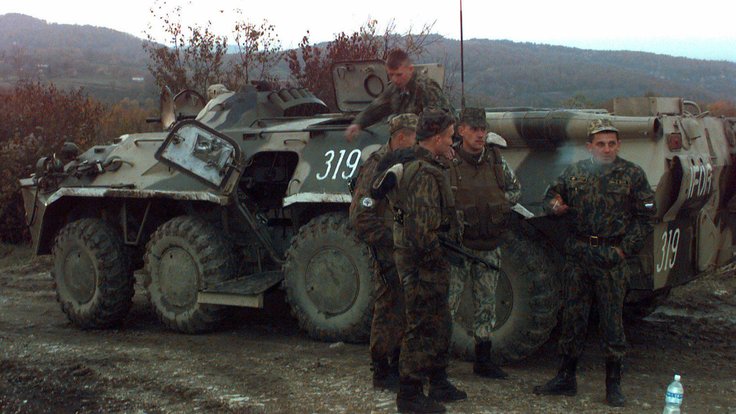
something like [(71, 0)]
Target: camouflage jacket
[(371, 218), (421, 92), (607, 201), (424, 202)]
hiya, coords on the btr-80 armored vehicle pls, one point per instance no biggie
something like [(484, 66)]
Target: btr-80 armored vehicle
[(248, 192)]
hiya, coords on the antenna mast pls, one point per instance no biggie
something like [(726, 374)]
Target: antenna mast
[(462, 61)]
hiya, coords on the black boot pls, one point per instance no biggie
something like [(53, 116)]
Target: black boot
[(411, 399), (614, 396), (383, 377), (564, 383), (440, 389), (483, 366)]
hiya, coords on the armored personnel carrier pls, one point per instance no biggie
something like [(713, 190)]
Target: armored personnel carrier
[(248, 192)]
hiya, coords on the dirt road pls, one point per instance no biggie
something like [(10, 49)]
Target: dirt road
[(262, 363)]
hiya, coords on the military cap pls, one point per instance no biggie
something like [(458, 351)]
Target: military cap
[(432, 121), (402, 121), (475, 117), (600, 125)]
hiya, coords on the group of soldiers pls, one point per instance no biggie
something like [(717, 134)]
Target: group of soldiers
[(421, 192)]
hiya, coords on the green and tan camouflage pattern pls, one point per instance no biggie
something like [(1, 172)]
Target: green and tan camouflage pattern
[(402, 121), (421, 92), (373, 223), (609, 201), (482, 282), (600, 125), (422, 197)]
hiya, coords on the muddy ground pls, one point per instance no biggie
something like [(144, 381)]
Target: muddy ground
[(262, 363)]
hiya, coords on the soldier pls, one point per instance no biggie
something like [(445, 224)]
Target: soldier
[(485, 188), (373, 223), (424, 212), (408, 92), (610, 203)]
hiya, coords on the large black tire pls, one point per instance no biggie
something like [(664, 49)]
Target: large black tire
[(92, 274), (327, 276), (527, 300), (638, 310), (185, 255)]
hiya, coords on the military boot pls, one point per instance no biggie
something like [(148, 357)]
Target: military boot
[(411, 399), (483, 366), (440, 389), (383, 378), (614, 396), (564, 383)]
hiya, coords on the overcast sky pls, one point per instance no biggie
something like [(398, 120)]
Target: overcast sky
[(691, 29)]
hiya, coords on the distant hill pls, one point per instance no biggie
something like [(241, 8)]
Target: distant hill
[(502, 72), (497, 72), (103, 61)]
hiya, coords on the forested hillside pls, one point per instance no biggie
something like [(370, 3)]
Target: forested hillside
[(110, 65)]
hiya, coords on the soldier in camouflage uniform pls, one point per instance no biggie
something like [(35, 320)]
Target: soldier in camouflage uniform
[(485, 188), (408, 92), (373, 223), (424, 212), (611, 204)]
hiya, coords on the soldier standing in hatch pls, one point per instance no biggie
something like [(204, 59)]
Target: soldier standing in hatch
[(424, 211), (611, 203), (373, 222), (485, 188), (408, 92)]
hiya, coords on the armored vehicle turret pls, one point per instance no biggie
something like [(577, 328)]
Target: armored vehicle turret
[(248, 192)]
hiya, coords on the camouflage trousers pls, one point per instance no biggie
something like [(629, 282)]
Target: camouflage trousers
[(483, 282), (387, 326), (426, 343), (593, 273)]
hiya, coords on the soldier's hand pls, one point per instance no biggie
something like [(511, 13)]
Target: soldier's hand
[(351, 132), (558, 206)]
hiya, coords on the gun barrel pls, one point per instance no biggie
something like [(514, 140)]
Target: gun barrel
[(553, 127)]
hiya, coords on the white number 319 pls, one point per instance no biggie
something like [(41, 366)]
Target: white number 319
[(351, 164)]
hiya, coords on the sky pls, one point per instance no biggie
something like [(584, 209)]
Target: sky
[(689, 29)]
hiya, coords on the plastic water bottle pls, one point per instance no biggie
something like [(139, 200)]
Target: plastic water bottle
[(673, 398)]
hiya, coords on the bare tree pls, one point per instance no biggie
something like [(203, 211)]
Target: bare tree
[(259, 50), (194, 57)]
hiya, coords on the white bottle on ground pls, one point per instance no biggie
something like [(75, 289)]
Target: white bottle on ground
[(673, 398)]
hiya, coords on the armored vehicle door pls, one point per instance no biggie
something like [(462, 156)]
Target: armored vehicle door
[(358, 83), (203, 153)]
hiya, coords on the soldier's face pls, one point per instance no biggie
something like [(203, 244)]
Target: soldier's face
[(474, 138), (444, 140), (401, 75), (604, 147)]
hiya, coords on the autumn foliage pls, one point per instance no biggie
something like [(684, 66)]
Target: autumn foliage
[(36, 120)]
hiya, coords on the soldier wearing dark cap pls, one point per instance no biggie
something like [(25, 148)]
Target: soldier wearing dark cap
[(373, 223), (423, 207), (485, 188), (611, 204), (408, 92)]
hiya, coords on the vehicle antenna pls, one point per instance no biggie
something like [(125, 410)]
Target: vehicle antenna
[(462, 61)]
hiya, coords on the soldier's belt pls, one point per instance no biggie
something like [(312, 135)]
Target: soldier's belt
[(596, 241)]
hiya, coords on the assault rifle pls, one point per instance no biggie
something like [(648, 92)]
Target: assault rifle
[(461, 252)]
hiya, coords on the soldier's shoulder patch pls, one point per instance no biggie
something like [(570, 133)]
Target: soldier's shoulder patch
[(367, 202)]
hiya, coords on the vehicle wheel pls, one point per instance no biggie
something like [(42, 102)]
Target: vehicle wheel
[(636, 311), (527, 300), (185, 255), (328, 275), (92, 274)]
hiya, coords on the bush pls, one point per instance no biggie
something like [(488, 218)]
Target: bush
[(35, 121)]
